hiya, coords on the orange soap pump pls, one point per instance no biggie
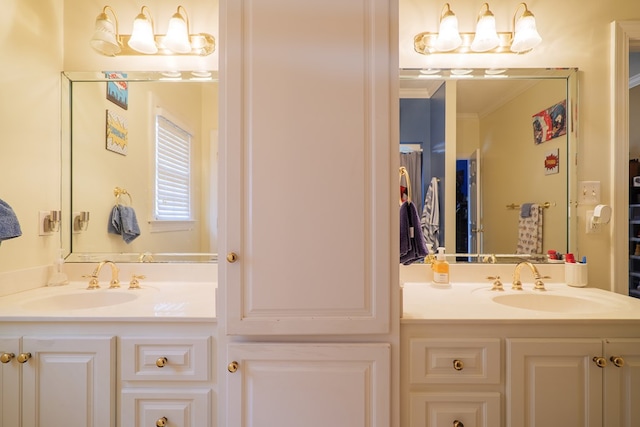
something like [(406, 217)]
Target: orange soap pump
[(440, 269)]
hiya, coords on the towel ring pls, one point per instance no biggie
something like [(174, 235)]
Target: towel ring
[(119, 192), (403, 172)]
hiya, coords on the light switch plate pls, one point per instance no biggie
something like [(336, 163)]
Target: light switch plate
[(589, 192)]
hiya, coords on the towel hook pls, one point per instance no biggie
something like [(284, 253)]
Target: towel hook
[(403, 172), (119, 192)]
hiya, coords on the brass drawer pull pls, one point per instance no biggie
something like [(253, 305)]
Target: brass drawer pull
[(232, 257), (457, 423), (6, 357), (617, 360), (161, 362), (161, 422), (233, 367), (23, 357), (458, 365), (601, 362)]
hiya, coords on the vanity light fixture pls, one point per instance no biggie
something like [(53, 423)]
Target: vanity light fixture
[(108, 41), (142, 39), (521, 39)]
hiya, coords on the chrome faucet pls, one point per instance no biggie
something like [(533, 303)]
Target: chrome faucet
[(517, 284), (93, 278)]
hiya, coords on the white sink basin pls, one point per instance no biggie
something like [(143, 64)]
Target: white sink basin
[(81, 301), (555, 303)]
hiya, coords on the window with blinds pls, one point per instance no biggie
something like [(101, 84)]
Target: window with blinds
[(173, 171)]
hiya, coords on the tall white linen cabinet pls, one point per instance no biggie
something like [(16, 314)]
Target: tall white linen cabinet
[(308, 299)]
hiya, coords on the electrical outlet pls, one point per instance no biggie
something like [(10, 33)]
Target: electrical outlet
[(43, 229), (589, 192), (592, 227)]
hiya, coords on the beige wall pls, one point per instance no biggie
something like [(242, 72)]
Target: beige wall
[(513, 171), (574, 36)]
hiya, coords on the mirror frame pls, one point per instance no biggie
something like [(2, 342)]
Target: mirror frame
[(570, 75)]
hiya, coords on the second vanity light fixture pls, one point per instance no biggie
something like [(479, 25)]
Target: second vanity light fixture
[(108, 41), (486, 39)]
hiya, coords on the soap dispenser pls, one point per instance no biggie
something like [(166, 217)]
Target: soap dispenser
[(441, 270), (58, 277)]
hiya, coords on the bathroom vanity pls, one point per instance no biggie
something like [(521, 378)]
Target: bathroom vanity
[(475, 357), (106, 357)]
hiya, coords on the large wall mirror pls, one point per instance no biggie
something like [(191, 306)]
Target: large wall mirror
[(144, 143), (475, 117), (493, 141)]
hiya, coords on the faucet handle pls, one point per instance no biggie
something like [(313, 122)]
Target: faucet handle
[(135, 284), (93, 282), (497, 284)]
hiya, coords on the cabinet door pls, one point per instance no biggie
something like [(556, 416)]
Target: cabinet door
[(9, 383), (69, 382), (554, 383), (622, 382), (308, 102), (311, 385)]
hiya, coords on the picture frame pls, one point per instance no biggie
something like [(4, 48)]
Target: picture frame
[(117, 134), (118, 90), (550, 123)]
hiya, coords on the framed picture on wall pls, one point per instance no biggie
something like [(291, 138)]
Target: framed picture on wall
[(117, 90), (117, 133), (550, 123)]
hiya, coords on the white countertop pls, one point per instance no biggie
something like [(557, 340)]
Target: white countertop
[(158, 301), (465, 301)]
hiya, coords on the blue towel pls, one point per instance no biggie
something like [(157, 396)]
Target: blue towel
[(123, 221), (412, 243), (9, 225), (525, 210)]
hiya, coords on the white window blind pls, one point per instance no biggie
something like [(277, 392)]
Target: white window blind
[(173, 172)]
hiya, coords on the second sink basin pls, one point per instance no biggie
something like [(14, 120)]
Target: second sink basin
[(555, 303), (81, 300)]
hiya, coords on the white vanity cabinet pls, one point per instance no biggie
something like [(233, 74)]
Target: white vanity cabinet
[(165, 381), (585, 382), (308, 159), (58, 381), (520, 373)]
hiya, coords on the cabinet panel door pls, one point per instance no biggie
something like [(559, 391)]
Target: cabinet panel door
[(306, 154), (622, 382), (311, 385), (10, 383), (69, 382), (554, 383)]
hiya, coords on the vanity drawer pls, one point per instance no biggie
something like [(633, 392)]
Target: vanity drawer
[(454, 361), (165, 359), (444, 409), (175, 408)]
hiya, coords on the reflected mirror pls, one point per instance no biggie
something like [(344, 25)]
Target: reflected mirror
[(493, 142), (140, 166)]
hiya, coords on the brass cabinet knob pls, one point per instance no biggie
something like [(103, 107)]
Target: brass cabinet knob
[(161, 362), (23, 357), (233, 367), (161, 422), (617, 360), (458, 365), (232, 257), (457, 423), (6, 357), (601, 362)]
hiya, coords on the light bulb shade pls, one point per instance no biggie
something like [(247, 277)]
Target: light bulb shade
[(486, 37), (526, 35), (177, 38), (142, 39), (448, 34), (105, 39)]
